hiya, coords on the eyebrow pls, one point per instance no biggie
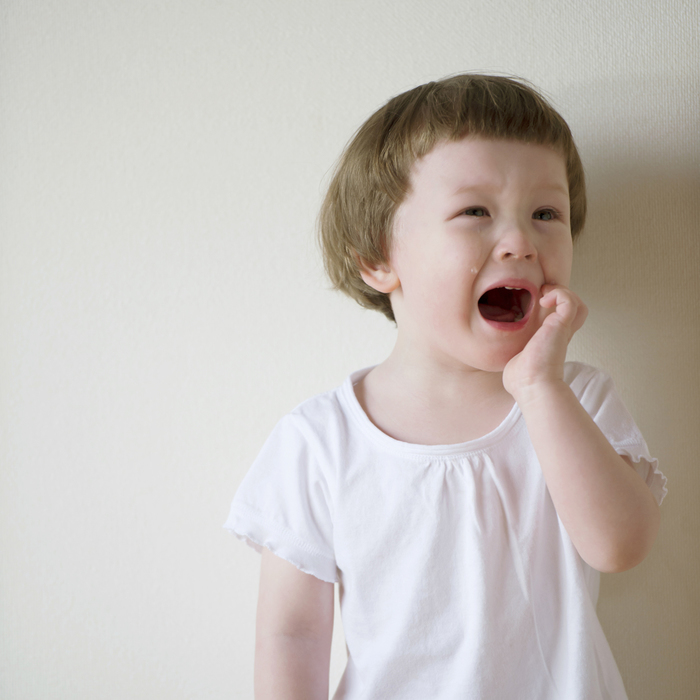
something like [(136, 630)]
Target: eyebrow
[(470, 188), (465, 189)]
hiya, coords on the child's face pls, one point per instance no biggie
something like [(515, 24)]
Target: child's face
[(480, 215)]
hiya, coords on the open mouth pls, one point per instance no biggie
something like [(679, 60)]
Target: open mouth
[(504, 304)]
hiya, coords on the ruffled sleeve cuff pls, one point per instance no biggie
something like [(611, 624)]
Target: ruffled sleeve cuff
[(258, 531), (647, 467)]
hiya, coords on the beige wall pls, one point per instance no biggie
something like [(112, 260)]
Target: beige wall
[(162, 305)]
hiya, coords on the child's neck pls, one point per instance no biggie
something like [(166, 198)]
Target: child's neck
[(432, 404)]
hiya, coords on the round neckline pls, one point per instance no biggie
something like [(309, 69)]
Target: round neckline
[(347, 392)]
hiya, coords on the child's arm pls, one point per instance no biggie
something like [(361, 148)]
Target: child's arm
[(605, 506), (293, 633)]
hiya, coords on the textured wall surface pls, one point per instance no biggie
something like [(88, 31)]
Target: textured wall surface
[(162, 302)]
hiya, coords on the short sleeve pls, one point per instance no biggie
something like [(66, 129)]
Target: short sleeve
[(283, 502), (597, 394)]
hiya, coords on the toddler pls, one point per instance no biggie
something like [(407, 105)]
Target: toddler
[(466, 492)]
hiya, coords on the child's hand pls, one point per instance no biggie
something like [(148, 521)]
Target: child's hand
[(542, 360)]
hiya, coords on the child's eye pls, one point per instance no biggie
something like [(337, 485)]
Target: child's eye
[(475, 211), (545, 215)]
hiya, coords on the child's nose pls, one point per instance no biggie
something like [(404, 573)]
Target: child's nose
[(517, 244)]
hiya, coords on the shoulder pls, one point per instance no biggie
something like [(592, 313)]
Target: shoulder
[(305, 445), (319, 411), (596, 392), (320, 421), (585, 379)]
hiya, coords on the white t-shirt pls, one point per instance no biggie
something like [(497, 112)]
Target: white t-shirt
[(457, 578)]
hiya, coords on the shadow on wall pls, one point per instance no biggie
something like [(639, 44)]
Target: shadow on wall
[(637, 267)]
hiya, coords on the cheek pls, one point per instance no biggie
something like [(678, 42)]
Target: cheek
[(559, 262), (437, 279), (567, 266), (447, 294), (429, 293)]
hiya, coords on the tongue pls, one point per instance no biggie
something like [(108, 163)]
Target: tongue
[(496, 313)]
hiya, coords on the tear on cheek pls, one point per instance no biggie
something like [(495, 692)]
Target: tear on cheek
[(504, 305)]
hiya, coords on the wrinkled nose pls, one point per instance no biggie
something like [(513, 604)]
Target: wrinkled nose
[(516, 244)]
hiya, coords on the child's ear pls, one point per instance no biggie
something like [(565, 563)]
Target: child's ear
[(379, 276)]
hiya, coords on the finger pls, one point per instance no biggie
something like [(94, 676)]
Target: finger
[(564, 302), (580, 319), (548, 300), (550, 294), (547, 288)]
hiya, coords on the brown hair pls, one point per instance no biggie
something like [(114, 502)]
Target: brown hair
[(372, 177)]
